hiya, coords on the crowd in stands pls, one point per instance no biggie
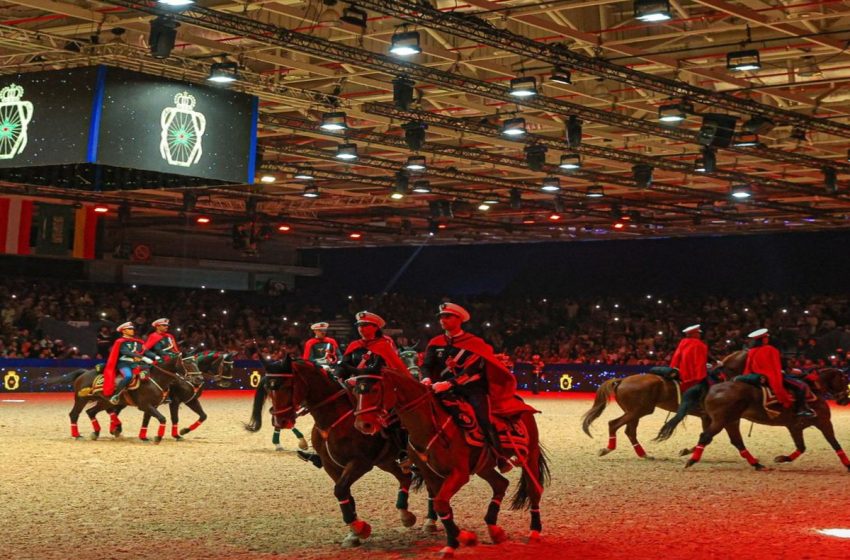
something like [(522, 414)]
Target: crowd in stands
[(639, 330)]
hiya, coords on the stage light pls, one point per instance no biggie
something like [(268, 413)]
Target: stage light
[(595, 191), (516, 199), (491, 199), (176, 3), (415, 163), (619, 225), (674, 113), (758, 125), (333, 122), (310, 191), (743, 61), (223, 72), (422, 187), (202, 220), (528, 219), (283, 228), (268, 179), (551, 184), (355, 235), (570, 162), (561, 76), (642, 174), (513, 127), (652, 11), (523, 87), (405, 43), (414, 134), (403, 92), (707, 161), (346, 152), (354, 16), (554, 216), (304, 174), (716, 130), (741, 192), (163, 34), (744, 140), (400, 186), (535, 156), (483, 206), (574, 131), (101, 209)]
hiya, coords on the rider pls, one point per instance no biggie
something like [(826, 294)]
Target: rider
[(690, 357), (322, 350), (464, 364), (124, 358), (161, 342), (764, 359)]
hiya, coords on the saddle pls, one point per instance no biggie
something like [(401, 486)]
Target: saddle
[(96, 386), (668, 373), (510, 430), (771, 404)]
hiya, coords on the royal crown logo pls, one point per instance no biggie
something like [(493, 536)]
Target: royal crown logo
[(182, 130), (15, 115)]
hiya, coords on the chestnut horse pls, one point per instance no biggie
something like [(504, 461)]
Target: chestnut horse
[(346, 453), (445, 460)]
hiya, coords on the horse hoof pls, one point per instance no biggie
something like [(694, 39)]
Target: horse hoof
[(278, 447), (179, 438), (184, 431), (604, 451), (686, 451), (497, 534), (77, 438), (430, 526), (648, 457), (760, 467), (302, 444), (467, 538), (94, 435), (157, 439), (782, 459), (690, 463), (447, 552), (534, 537), (407, 519), (144, 440), (361, 529), (351, 541)]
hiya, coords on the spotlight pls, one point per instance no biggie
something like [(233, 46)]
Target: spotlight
[(202, 220), (808, 67), (574, 131), (707, 161), (414, 134), (535, 156), (561, 75), (743, 61), (516, 199), (333, 122), (176, 3), (830, 180), (716, 130), (101, 209), (528, 219), (674, 113), (551, 184), (651, 11), (268, 179), (554, 216), (403, 92), (619, 225), (223, 72), (311, 191), (595, 191), (570, 162), (741, 192), (405, 43), (758, 125), (746, 140), (422, 187), (415, 163), (346, 152), (304, 174), (284, 228), (642, 174), (354, 16), (523, 87), (513, 127), (162, 36), (483, 206), (355, 235)]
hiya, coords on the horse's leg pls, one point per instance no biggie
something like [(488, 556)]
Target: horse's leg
[(442, 504), (276, 440), (302, 442), (95, 425), (430, 525), (799, 445), (360, 530), (195, 406), (715, 425), (408, 519), (706, 422), (143, 431), (115, 426), (173, 408), (79, 405), (824, 424), (499, 484), (631, 432), (630, 416), (160, 432), (734, 431)]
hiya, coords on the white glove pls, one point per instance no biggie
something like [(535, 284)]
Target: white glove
[(147, 360), (441, 386), (426, 382)]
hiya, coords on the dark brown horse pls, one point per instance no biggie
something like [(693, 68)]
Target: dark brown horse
[(445, 460), (639, 395), (346, 454), (728, 402)]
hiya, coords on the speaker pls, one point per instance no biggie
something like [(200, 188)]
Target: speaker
[(717, 130)]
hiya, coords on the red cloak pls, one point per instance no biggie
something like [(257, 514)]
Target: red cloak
[(155, 337), (308, 346), (112, 362), (766, 361), (383, 347), (690, 358)]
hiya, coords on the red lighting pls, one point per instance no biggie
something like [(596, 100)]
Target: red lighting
[(442, 226), (355, 235), (283, 228), (101, 209), (554, 216), (203, 219), (619, 225)]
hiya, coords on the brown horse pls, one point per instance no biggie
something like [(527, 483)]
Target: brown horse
[(638, 395), (445, 460), (728, 402), (346, 453)]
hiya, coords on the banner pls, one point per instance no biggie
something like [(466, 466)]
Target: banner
[(15, 226), (55, 226), (85, 232)]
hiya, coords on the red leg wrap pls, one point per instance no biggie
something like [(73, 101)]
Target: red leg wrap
[(160, 432), (794, 455), (843, 456), (612, 443), (143, 433), (639, 450), (95, 425), (749, 457), (174, 431), (194, 426), (697, 454), (74, 431)]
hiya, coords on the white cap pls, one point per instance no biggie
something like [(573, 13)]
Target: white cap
[(758, 333), (692, 328), (159, 322), (454, 309), (321, 326), (124, 326), (364, 317)]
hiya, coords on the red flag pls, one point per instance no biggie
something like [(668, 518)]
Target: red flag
[(15, 224)]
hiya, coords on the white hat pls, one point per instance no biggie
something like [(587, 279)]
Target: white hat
[(366, 317), (758, 333), (158, 322), (691, 328), (124, 326), (454, 309), (322, 326)]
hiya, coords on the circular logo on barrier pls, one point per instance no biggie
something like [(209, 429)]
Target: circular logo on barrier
[(12, 381), (254, 379), (141, 252), (566, 382)]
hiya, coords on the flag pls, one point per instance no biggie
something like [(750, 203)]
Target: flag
[(15, 225), (85, 232), (55, 227)]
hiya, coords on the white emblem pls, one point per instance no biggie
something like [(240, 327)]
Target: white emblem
[(182, 129), (15, 115)]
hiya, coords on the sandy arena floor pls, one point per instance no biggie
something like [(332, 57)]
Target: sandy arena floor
[(225, 493)]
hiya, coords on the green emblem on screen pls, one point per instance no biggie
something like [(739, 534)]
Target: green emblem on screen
[(15, 115), (182, 129)]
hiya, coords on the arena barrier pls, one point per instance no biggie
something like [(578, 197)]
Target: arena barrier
[(17, 375)]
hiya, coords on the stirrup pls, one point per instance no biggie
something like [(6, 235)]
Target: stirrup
[(115, 399), (806, 412)]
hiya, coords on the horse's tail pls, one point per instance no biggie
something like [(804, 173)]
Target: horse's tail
[(603, 395), (689, 400), (69, 377), (257, 409), (521, 498)]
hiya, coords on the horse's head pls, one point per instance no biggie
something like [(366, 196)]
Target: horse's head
[(222, 368), (410, 357), (286, 390), (188, 366), (834, 383), (374, 401)]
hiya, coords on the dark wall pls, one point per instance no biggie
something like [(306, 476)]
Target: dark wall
[(796, 263)]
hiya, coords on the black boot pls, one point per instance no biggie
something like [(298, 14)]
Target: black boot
[(310, 458), (803, 408)]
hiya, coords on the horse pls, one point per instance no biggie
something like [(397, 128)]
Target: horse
[(410, 357), (346, 454), (151, 393), (638, 395), (444, 458), (728, 402)]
